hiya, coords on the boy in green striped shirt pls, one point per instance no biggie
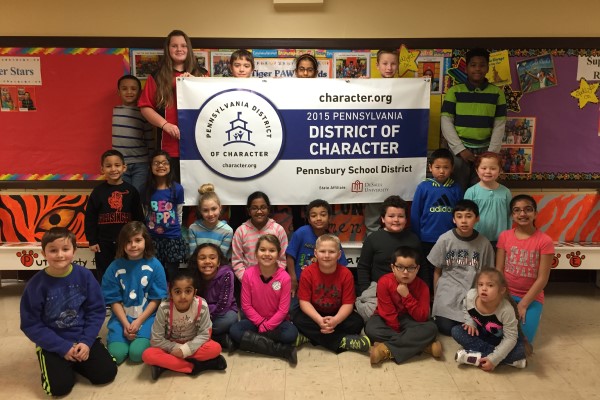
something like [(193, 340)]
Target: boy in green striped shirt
[(473, 117)]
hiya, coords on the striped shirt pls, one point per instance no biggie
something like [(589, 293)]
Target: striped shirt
[(474, 110), (220, 235), (244, 245), (132, 135)]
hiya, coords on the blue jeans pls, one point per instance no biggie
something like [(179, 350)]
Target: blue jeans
[(285, 333), (474, 343), (222, 323), (136, 174)]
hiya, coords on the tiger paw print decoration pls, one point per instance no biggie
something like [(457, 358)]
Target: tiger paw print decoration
[(27, 257)]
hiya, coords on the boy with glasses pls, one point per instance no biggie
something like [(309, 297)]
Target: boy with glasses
[(401, 327)]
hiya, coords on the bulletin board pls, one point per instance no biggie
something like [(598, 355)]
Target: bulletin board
[(545, 91), (63, 135)]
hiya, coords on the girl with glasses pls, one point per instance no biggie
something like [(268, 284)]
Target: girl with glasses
[(525, 256), (246, 236)]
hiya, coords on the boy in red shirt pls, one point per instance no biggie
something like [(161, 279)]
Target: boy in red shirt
[(326, 295), (401, 327)]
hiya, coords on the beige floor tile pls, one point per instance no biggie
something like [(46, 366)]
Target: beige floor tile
[(493, 395), (580, 376), (410, 375), (309, 394), (358, 374), (254, 395), (432, 395), (551, 395), (538, 376), (374, 395), (471, 379)]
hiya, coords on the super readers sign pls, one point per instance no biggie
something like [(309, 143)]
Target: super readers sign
[(351, 141)]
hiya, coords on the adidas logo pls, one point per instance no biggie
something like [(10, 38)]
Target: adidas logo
[(442, 205)]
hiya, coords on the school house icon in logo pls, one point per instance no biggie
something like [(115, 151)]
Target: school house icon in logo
[(239, 133)]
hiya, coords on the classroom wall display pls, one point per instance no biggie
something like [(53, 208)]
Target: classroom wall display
[(348, 141), (70, 128), (567, 144)]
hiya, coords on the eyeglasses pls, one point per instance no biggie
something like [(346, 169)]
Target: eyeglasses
[(160, 163), (256, 209), (402, 268), (309, 70), (526, 210)]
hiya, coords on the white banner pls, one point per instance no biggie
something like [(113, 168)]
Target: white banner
[(20, 71), (345, 141)]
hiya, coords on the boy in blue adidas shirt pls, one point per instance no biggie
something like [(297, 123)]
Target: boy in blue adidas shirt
[(431, 209)]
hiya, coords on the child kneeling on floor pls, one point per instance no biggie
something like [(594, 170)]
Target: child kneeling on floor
[(181, 333), (326, 294), (491, 334), (401, 327)]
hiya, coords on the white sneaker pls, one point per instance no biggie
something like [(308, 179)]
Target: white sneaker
[(519, 363), (468, 357)]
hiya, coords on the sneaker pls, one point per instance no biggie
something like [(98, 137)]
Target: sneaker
[(300, 340), (434, 349), (468, 357), (156, 371), (380, 352), (519, 363), (356, 342)]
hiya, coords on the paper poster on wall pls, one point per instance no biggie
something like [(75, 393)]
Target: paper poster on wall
[(355, 64), (8, 95), (27, 98), (346, 141), (20, 71), (519, 130), (536, 73), (219, 63), (499, 72), (516, 160), (588, 68), (285, 68), (433, 68), (145, 62)]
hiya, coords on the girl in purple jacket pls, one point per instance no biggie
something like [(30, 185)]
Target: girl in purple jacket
[(215, 284)]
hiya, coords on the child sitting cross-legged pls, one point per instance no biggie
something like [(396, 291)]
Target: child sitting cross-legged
[(401, 327), (181, 332), (326, 295)]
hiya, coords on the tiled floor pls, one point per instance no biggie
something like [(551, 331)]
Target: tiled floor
[(565, 366)]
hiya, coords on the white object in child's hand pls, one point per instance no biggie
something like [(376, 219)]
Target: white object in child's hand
[(468, 357)]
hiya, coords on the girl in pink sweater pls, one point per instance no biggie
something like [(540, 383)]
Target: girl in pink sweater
[(266, 290)]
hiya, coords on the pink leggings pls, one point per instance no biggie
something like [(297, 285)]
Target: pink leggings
[(159, 357)]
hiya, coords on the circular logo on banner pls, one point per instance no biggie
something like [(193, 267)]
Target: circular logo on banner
[(239, 134)]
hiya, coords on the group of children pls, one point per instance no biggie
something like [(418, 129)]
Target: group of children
[(252, 290)]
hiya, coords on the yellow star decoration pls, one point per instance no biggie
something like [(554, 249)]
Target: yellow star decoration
[(408, 60), (586, 93)]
